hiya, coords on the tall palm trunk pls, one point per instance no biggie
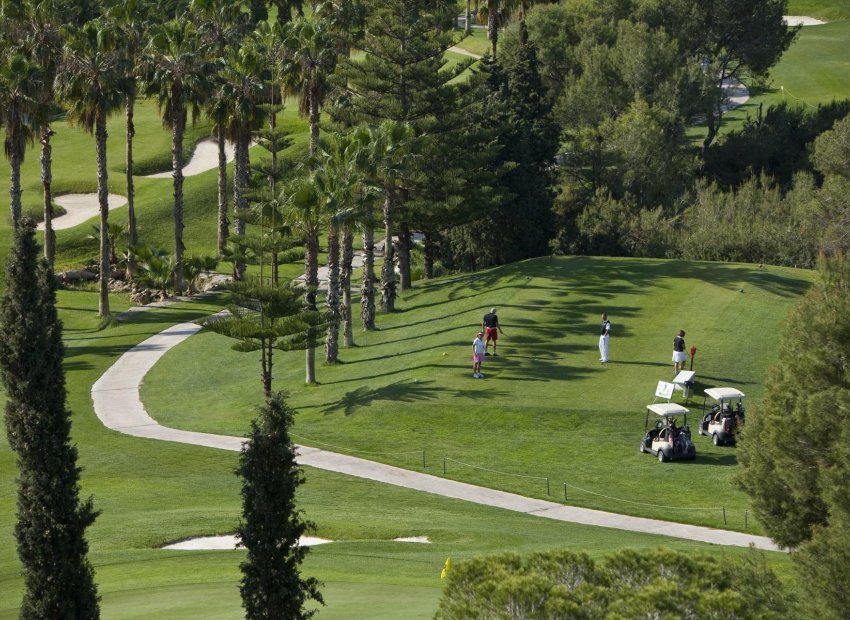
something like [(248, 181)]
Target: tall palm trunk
[(367, 288), (492, 26), (311, 280), (405, 244), (467, 27), (47, 190), (332, 339), (388, 292), (345, 285), (177, 130), (15, 160), (103, 201), (132, 233), (223, 222), (314, 124), (240, 200)]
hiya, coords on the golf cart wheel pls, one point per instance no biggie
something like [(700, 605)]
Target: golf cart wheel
[(661, 457), (642, 447), (692, 454), (715, 439)]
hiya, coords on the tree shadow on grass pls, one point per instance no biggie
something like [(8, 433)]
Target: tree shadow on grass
[(404, 391), (717, 459)]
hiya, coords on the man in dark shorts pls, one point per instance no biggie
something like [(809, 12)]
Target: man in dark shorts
[(491, 328)]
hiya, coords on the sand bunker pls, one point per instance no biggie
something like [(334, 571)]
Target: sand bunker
[(802, 20), (226, 543), (79, 208), (205, 157)]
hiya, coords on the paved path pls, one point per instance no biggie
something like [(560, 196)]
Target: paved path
[(118, 405)]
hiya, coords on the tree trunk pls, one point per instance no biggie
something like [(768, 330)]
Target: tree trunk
[(404, 246), (223, 222), (15, 161), (492, 26), (345, 285), (132, 233), (467, 28), (388, 267), (103, 201), (367, 288), (177, 130), (266, 361), (47, 187), (240, 201), (311, 281), (314, 124), (428, 269), (332, 339)]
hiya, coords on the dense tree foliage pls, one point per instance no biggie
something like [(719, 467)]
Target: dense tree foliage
[(51, 519), (795, 451), (628, 584), (272, 585)]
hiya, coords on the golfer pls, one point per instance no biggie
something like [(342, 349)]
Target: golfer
[(604, 336), (491, 328), (477, 355), (679, 355)]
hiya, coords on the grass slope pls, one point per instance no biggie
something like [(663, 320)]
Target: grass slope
[(547, 409), (151, 493), (827, 10)]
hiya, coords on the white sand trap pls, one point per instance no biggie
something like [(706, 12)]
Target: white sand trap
[(205, 157), (801, 20), (414, 539), (227, 543), (81, 207)]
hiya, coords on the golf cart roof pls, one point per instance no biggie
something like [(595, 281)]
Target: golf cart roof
[(724, 393), (667, 409)]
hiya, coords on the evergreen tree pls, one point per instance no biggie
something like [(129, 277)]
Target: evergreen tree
[(272, 585), (518, 223), (795, 451), (50, 530), (402, 77)]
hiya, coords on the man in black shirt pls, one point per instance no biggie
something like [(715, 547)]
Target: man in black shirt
[(491, 328)]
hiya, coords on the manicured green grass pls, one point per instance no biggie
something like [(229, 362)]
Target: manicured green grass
[(548, 409), (827, 10), (476, 42), (814, 70), (151, 493)]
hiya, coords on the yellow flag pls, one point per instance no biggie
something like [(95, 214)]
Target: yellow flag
[(446, 568)]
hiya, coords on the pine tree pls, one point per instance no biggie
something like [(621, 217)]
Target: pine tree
[(403, 78), (795, 450), (272, 585), (50, 530)]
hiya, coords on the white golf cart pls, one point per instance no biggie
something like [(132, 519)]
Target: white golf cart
[(720, 419), (664, 439)]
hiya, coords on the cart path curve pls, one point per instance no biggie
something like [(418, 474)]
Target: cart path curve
[(118, 405)]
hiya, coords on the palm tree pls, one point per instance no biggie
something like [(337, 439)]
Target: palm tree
[(92, 81), (222, 24), (345, 190), (40, 23), (130, 19), (303, 211), (176, 72), (393, 145), (19, 99), (243, 89), (311, 51)]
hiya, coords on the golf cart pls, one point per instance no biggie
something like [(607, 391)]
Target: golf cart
[(721, 419), (666, 440)]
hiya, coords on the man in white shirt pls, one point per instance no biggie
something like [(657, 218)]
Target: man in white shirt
[(605, 334)]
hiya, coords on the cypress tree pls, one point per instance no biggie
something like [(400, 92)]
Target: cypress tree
[(272, 585), (794, 451), (51, 524)]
